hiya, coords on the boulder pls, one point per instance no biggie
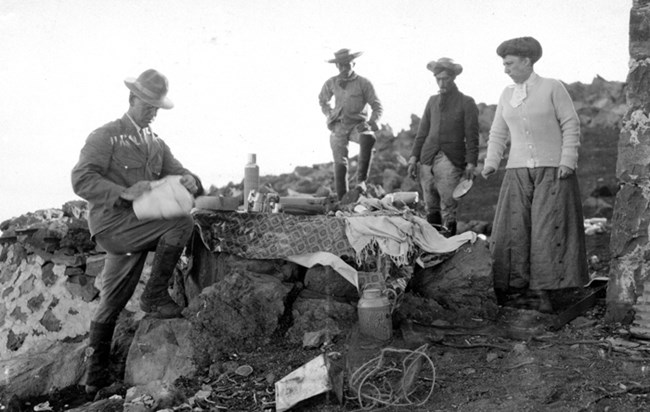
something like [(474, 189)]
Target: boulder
[(45, 368), (314, 315), (461, 283), (242, 309), (153, 396), (325, 281), (161, 351)]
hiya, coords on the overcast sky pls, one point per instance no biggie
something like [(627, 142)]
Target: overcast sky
[(245, 74)]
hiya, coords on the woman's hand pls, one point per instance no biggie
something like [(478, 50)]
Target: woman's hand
[(564, 171), (487, 171)]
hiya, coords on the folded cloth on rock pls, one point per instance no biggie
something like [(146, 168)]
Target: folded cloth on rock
[(327, 259), (397, 236), (167, 199), (430, 240)]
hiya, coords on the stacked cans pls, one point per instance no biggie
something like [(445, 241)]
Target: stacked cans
[(263, 202)]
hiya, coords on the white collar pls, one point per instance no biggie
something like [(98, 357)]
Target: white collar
[(519, 93)]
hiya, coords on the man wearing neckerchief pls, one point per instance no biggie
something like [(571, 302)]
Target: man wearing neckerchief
[(349, 120)]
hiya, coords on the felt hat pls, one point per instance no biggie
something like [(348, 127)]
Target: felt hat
[(344, 56), (522, 47), (445, 63), (152, 87)]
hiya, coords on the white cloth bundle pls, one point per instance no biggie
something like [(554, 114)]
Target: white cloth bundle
[(396, 235), (167, 199)]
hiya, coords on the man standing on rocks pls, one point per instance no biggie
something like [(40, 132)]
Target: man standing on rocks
[(446, 145), (348, 120), (117, 164)]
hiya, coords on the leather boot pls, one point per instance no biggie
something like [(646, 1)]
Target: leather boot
[(155, 299), (501, 295), (99, 352), (341, 179), (366, 143)]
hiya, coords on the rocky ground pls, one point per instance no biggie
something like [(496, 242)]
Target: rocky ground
[(514, 362)]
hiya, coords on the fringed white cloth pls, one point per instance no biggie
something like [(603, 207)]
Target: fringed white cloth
[(396, 236)]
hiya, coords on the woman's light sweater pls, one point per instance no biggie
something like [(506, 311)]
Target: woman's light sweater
[(544, 129)]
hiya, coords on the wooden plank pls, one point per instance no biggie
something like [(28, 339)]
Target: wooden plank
[(578, 308)]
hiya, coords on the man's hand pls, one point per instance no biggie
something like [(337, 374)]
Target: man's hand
[(488, 171), (136, 190), (373, 125), (363, 127), (190, 183), (413, 168), (564, 171), (469, 171)]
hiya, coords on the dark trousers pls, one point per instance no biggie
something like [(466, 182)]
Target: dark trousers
[(127, 244)]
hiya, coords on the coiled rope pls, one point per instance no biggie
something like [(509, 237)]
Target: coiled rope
[(383, 382)]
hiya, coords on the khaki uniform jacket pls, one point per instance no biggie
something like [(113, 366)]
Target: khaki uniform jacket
[(113, 159), (351, 98)]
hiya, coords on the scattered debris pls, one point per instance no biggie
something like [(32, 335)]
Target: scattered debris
[(309, 380), (244, 370), (595, 225), (45, 406)]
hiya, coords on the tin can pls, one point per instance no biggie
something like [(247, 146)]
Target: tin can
[(251, 175), (404, 198), (258, 203), (250, 201)]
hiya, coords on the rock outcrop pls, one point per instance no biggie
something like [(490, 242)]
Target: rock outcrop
[(630, 247)]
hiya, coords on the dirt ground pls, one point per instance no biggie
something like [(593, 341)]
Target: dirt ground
[(516, 362)]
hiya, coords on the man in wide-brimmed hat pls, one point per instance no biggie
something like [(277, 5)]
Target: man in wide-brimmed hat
[(349, 120), (446, 145), (116, 166)]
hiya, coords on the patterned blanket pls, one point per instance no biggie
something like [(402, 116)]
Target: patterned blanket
[(271, 235)]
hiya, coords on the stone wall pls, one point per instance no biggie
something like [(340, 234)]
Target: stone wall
[(631, 220), (48, 268), (40, 301), (49, 289)]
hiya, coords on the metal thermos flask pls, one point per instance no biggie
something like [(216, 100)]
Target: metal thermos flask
[(374, 311), (251, 177)]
